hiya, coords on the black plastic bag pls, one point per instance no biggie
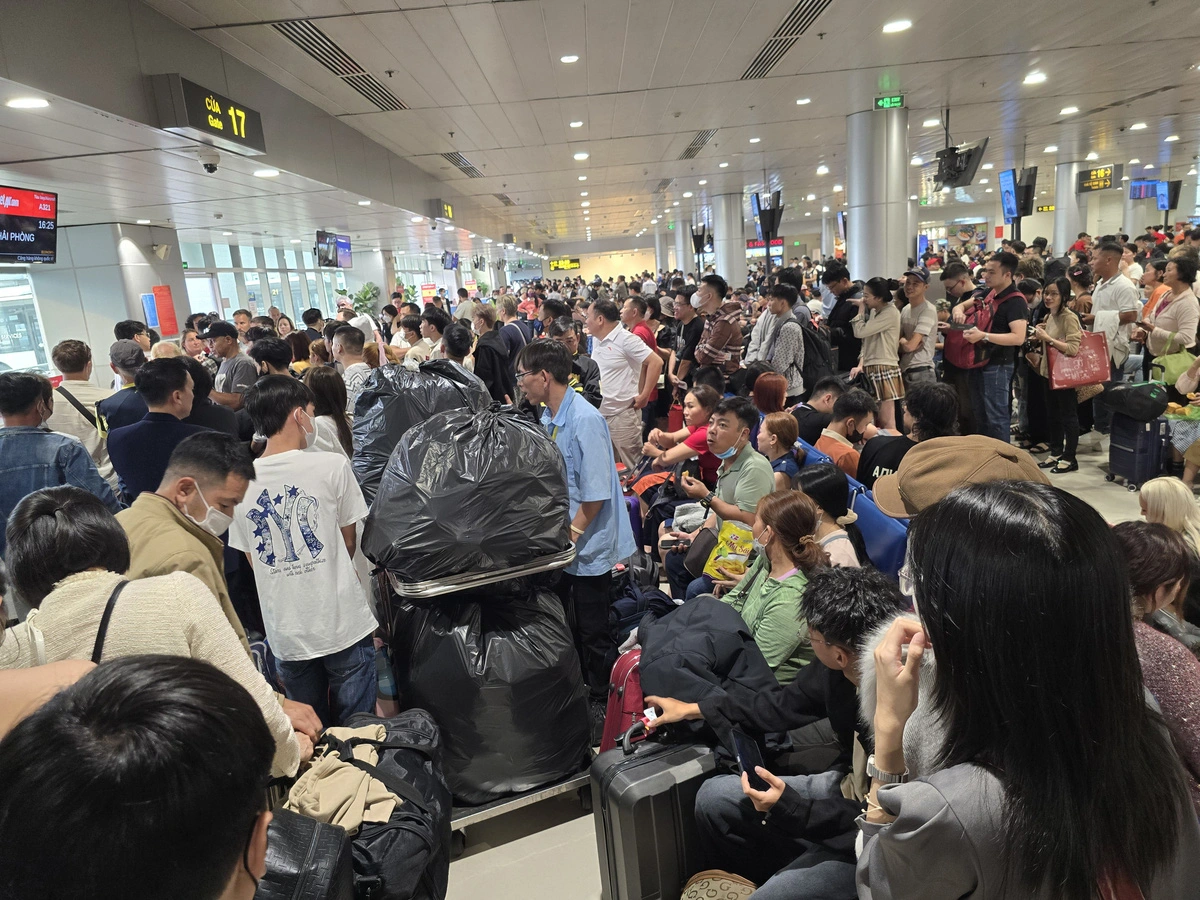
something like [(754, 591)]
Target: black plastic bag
[(504, 684), (469, 491), (1143, 402), (395, 399)]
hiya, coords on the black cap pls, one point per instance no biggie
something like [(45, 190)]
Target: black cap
[(219, 329)]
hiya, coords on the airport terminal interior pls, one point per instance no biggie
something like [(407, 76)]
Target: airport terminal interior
[(957, 242)]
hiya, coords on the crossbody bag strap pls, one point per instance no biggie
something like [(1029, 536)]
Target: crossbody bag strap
[(102, 631), (79, 407)]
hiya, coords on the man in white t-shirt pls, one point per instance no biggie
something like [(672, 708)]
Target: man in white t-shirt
[(348, 343), (1116, 304), (297, 528)]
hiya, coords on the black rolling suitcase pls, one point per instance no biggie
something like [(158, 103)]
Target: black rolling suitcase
[(1137, 450), (644, 804)]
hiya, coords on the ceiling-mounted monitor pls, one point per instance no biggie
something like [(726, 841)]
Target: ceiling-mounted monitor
[(28, 226), (345, 259), (1008, 195), (957, 165), (325, 250)]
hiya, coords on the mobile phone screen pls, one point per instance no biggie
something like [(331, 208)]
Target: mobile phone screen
[(749, 756)]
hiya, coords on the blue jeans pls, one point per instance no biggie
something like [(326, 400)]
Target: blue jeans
[(681, 580), (348, 675), (991, 399)]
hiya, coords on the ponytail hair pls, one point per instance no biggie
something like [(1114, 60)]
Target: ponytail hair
[(883, 288), (828, 487), (793, 518)]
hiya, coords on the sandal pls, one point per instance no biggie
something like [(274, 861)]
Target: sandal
[(1039, 448), (1065, 466), (1049, 463)]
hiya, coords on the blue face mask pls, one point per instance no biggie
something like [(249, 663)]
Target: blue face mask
[(726, 454)]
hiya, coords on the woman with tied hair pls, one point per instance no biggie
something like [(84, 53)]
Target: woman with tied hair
[(1058, 781), (836, 532), (768, 595)]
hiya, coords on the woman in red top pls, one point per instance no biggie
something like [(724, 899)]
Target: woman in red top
[(668, 449)]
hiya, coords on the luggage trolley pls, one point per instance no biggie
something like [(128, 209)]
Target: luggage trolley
[(463, 816)]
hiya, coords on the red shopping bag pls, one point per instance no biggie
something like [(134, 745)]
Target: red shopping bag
[(1088, 366), (675, 417)]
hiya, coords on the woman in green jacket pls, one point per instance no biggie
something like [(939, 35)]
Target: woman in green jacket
[(768, 596)]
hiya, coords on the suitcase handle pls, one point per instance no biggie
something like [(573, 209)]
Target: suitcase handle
[(635, 734)]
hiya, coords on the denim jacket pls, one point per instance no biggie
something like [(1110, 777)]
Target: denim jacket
[(33, 458)]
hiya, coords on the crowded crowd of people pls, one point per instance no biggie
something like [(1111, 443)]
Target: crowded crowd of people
[(162, 529)]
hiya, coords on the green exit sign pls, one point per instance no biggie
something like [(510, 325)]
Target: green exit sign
[(891, 101), (924, 201)]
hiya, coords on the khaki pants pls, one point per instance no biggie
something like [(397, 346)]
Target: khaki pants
[(625, 428)]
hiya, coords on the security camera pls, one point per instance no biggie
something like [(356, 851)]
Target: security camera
[(209, 159), (433, 226)]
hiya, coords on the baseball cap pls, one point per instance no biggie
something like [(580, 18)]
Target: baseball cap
[(919, 272), (219, 329), (934, 468), (126, 355)]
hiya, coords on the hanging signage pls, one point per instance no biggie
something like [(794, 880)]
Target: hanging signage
[(186, 108), (164, 305), (891, 101), (1049, 208), (28, 226), (564, 264), (760, 245), (1098, 178), (428, 291)]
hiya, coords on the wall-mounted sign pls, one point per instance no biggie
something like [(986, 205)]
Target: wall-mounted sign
[(1049, 208), (891, 101), (564, 264), (1098, 178), (186, 108)]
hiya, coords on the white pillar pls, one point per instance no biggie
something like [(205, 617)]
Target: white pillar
[(660, 250), (684, 258), (827, 233), (729, 238), (877, 193), (1070, 208), (913, 208)]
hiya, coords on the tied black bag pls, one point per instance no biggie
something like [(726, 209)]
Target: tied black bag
[(1143, 402), (306, 860)]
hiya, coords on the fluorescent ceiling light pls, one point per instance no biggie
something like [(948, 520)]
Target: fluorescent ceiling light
[(1068, 110), (811, 197), (449, 227), (295, 240), (265, 173), (917, 161), (1171, 137), (702, 181), (723, 165), (1035, 77), (581, 155), (824, 209), (822, 169), (569, 58), (931, 123), (897, 26), (983, 181), (987, 167), (1092, 156), (987, 190), (576, 124), (1192, 170), (586, 203), (583, 178), (1053, 148), (418, 218), (1134, 161), (676, 203), (1124, 177), (583, 193), (471, 235), (487, 240), (687, 194), (143, 221), (1137, 126), (837, 188), (1149, 165), (804, 101), (755, 140), (808, 214), (27, 103), (226, 233), (364, 202), (914, 197)]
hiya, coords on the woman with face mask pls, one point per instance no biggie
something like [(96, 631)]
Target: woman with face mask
[(768, 595)]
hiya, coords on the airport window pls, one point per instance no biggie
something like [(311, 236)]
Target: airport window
[(222, 257), (22, 338)]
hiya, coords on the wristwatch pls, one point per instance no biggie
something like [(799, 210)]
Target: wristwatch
[(707, 501), (884, 777)]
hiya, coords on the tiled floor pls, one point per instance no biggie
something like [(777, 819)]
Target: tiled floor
[(548, 851)]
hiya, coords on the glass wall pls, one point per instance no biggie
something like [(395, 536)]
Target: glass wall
[(22, 338), (257, 278)]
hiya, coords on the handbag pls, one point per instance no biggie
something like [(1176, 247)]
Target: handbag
[(1088, 366), (306, 860), (1173, 364), (701, 549)]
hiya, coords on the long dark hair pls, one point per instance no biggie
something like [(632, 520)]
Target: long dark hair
[(827, 485), (1024, 591), (329, 389), (883, 288), (1064, 294)]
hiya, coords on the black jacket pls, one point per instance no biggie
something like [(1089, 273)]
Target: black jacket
[(491, 366), (585, 369), (841, 332)]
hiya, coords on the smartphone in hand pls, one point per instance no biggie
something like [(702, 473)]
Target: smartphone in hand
[(749, 756)]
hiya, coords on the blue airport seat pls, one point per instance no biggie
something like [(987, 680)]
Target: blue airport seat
[(886, 538), (812, 456)]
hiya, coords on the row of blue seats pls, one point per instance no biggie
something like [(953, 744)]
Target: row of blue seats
[(886, 538)]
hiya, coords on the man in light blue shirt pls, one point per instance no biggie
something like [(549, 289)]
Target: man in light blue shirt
[(599, 518)]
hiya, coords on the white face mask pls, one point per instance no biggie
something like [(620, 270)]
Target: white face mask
[(310, 437), (695, 300), (215, 522)]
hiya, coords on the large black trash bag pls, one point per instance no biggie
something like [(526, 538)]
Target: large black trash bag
[(503, 682), (469, 491), (395, 399)]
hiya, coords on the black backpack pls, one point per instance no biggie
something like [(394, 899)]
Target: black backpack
[(818, 356), (407, 857)]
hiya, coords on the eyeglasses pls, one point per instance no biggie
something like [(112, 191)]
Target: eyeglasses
[(521, 375)]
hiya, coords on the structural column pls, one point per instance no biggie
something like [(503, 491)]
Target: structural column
[(1070, 208), (877, 237), (827, 230), (913, 210), (660, 251), (684, 257), (729, 238)]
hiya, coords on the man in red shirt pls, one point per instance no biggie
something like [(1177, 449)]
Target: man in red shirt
[(1082, 244), (633, 317)]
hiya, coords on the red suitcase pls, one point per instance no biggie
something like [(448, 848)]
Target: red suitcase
[(625, 702)]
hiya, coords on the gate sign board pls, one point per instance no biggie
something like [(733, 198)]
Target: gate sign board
[(1098, 178)]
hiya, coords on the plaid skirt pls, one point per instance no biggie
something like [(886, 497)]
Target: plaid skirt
[(886, 382)]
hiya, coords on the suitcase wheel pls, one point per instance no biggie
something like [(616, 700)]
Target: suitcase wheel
[(1132, 488), (1110, 477)]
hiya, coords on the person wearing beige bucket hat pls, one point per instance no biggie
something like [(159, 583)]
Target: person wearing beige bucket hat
[(934, 468)]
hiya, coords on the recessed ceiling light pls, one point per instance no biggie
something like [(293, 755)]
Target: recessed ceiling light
[(569, 59), (1053, 148), (824, 209), (364, 202), (583, 178), (1149, 165), (226, 233), (946, 189), (1137, 126), (987, 190), (27, 103), (837, 189), (1192, 170), (581, 155), (822, 169), (1092, 156), (811, 197), (808, 214), (265, 173), (576, 124), (1134, 161), (487, 240), (917, 161), (449, 227), (143, 221), (471, 235), (676, 203), (418, 218), (755, 140), (914, 197), (702, 181), (987, 167), (687, 194), (897, 26), (804, 101), (1035, 77), (1068, 110), (983, 181), (1124, 177), (1171, 137), (931, 123), (295, 240), (586, 203), (723, 165), (583, 193), (587, 218)]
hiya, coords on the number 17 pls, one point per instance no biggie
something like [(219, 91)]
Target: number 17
[(237, 117)]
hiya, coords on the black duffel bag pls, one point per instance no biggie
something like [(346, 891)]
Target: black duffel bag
[(306, 860), (1143, 402)]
